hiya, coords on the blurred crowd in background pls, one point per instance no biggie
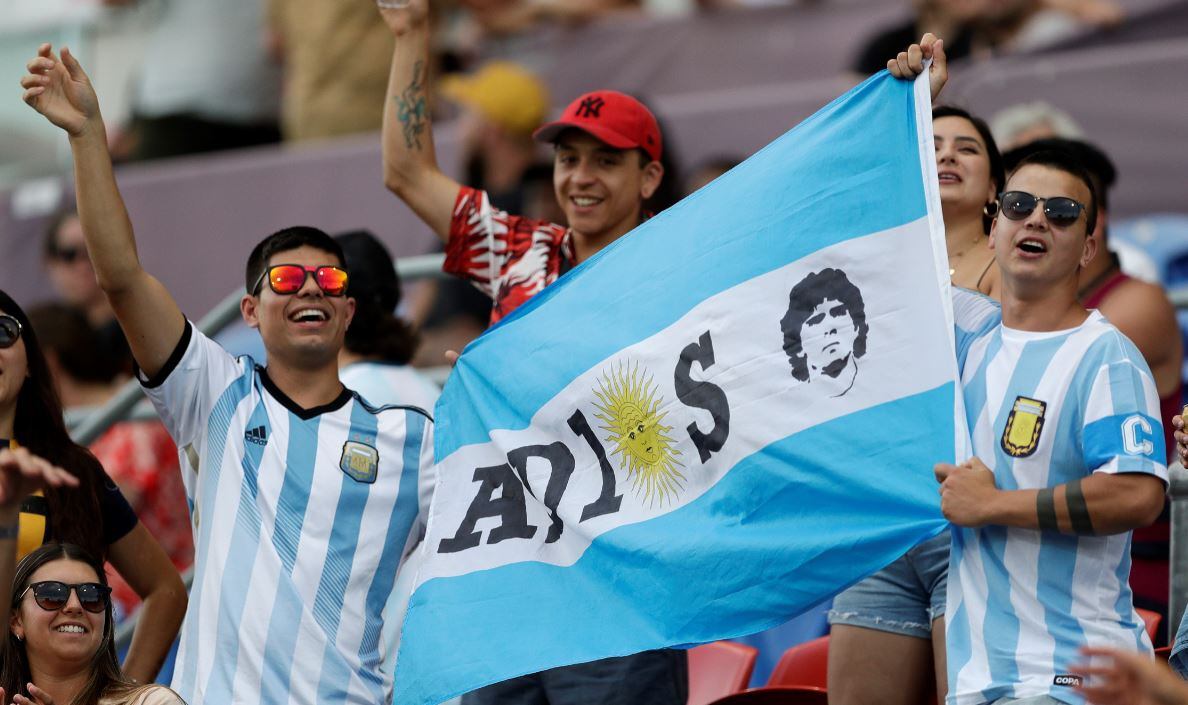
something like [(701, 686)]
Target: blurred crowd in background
[(232, 74)]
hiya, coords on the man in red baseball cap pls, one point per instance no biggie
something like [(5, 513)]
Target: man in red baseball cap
[(607, 163), (607, 148)]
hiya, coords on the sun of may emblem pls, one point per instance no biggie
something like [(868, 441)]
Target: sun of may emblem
[(630, 410)]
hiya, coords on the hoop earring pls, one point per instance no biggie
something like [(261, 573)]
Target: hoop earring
[(990, 210)]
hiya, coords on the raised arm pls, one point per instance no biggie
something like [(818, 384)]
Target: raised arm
[(61, 91), (410, 162), (21, 474), (909, 63), (1100, 504)]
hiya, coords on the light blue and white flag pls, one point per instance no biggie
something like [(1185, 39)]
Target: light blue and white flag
[(721, 419)]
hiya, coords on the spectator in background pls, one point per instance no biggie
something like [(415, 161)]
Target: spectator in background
[(1020, 124), (335, 62), (1023, 25), (95, 515), (709, 170), (950, 19), (138, 455), (378, 347), (1143, 313), (503, 104), (64, 254), (206, 84)]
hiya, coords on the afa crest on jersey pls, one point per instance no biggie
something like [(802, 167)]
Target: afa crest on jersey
[(1021, 436), (360, 461)]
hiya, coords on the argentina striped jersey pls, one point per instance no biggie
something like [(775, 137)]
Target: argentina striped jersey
[(301, 520), (1045, 409)]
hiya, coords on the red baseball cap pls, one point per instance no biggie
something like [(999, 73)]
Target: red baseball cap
[(615, 118)]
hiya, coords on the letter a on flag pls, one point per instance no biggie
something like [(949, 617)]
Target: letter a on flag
[(723, 418)]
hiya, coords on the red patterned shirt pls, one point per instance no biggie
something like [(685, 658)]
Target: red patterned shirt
[(508, 257), (142, 459)]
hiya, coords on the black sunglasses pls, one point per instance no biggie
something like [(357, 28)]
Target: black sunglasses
[(52, 595), (10, 330), (1060, 210)]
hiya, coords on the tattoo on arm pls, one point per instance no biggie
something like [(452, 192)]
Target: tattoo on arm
[(1045, 509), (413, 109), (1078, 511)]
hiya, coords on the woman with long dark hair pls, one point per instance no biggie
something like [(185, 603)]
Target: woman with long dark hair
[(60, 647), (93, 515)]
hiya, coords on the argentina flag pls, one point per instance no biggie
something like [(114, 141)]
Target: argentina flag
[(726, 416)]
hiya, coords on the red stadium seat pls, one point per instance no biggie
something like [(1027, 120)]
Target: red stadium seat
[(777, 695), (719, 669), (803, 665), (1151, 620)]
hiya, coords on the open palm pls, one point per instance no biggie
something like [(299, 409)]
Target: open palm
[(60, 90)]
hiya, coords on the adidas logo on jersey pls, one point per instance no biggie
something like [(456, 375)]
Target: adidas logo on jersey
[(257, 435)]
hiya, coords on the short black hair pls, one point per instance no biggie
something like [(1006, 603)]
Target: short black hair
[(809, 293), (1095, 161), (997, 166), (288, 239), (1069, 164)]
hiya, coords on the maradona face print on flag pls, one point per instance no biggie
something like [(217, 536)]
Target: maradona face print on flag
[(716, 422)]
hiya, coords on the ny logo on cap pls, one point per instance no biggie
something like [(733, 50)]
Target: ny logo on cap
[(590, 107)]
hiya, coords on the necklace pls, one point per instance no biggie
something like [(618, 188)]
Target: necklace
[(961, 253)]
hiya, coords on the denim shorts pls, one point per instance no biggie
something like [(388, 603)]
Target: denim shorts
[(903, 598)]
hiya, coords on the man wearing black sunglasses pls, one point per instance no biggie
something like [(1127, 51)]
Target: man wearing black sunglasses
[(1068, 460), (305, 498)]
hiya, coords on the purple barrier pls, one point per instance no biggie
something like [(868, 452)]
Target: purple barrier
[(196, 219)]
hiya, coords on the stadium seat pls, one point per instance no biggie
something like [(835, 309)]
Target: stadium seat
[(1151, 620), (718, 669), (777, 695), (803, 665)]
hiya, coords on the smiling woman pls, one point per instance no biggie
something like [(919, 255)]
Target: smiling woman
[(61, 624)]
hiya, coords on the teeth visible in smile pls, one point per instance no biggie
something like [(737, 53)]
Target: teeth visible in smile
[(71, 628), (584, 202), (1032, 246), (310, 315)]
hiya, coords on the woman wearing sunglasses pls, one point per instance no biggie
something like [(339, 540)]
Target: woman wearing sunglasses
[(93, 515), (60, 649)]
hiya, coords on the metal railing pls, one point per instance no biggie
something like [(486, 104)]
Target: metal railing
[(129, 402)]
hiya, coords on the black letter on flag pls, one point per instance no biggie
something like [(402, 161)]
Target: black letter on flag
[(607, 502), (510, 509), (703, 395), (560, 468)]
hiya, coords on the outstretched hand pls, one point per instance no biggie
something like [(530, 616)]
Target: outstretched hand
[(403, 15), (910, 63), (22, 474), (1117, 677), (60, 90)]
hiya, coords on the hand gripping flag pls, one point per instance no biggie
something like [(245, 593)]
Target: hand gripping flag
[(726, 416)]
